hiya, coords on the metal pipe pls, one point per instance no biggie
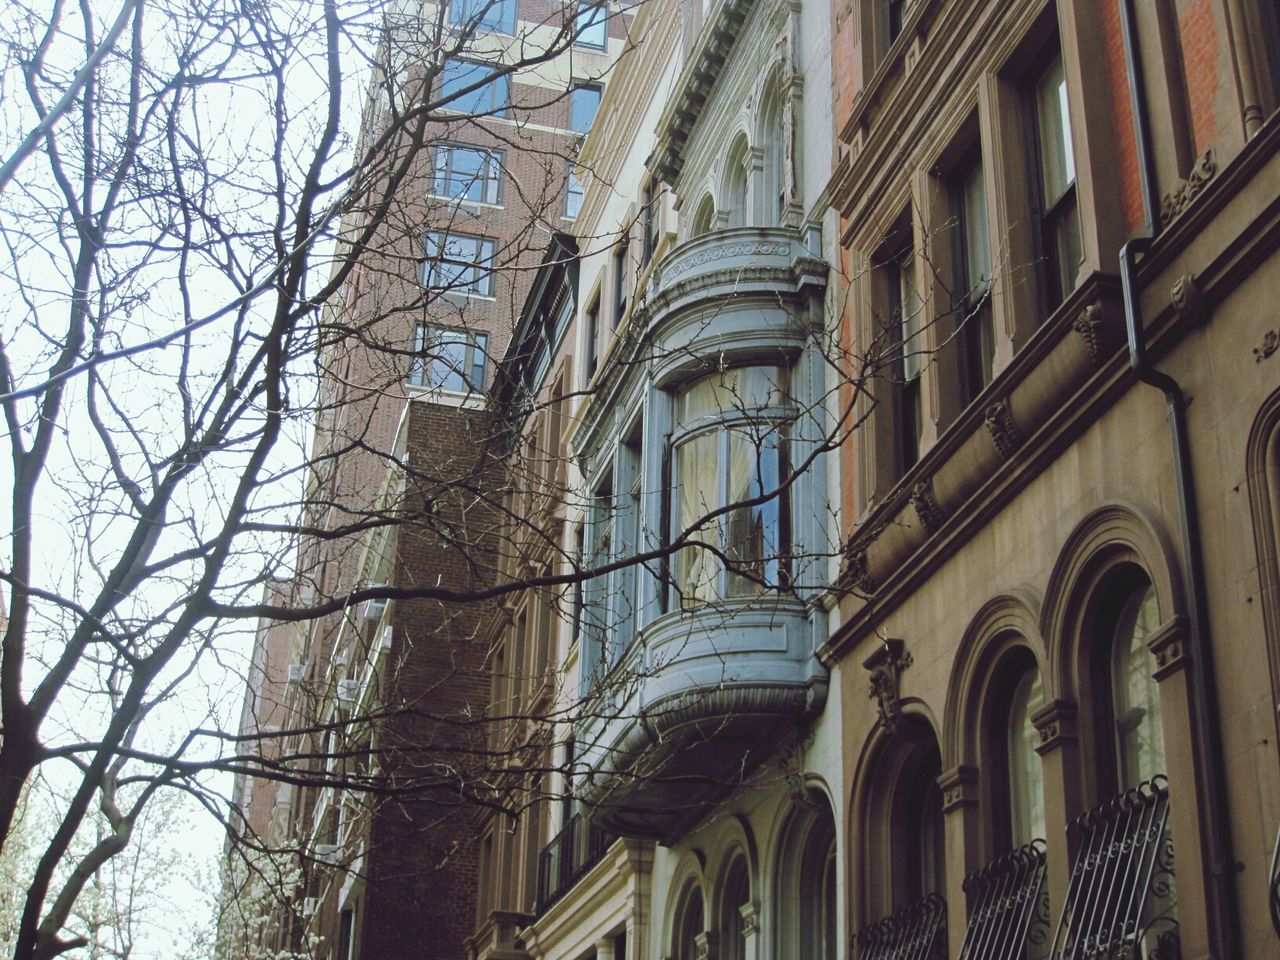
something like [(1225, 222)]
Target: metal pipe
[(1205, 720)]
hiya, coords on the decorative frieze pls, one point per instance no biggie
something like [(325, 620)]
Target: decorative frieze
[(886, 666), (1004, 430), (1056, 724), (926, 503), (1184, 194)]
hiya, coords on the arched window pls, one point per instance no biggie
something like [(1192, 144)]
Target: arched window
[(736, 194), (1135, 695), (1017, 781), (736, 894), (689, 925), (774, 138), (704, 218), (807, 874)]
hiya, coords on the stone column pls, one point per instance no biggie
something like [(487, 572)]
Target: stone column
[(1060, 759), (961, 828)]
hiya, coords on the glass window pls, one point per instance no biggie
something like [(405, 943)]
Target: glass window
[(584, 101), (593, 337), (1135, 693), (1026, 777), (1062, 249), (892, 13), (466, 173), (474, 88), (718, 467), (573, 195), (592, 25), (649, 225), (906, 312), (459, 263), (496, 15), (449, 359), (977, 340)]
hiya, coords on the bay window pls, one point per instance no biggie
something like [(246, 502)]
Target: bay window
[(730, 448)]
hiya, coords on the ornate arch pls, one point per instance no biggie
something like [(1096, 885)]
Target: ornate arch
[(688, 878), (801, 899), (774, 131), (1001, 624), (704, 218), (734, 195), (1262, 470)]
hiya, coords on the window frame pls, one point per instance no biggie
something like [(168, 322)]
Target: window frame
[(597, 14), (476, 362), (577, 88), (494, 161), (976, 320), (481, 20), (573, 188), (621, 257), (901, 275), (482, 283)]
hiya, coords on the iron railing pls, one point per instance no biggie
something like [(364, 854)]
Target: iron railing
[(1009, 907), (916, 932), (570, 854), (1120, 902)]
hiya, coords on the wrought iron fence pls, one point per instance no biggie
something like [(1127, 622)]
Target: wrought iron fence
[(570, 854), (1008, 907), (916, 932), (1121, 902)]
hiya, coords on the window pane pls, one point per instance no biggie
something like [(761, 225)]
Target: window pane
[(697, 479), (466, 173), (745, 389), (489, 98), (573, 197), (497, 15), (909, 319), (457, 263), (592, 25), (973, 224), (1026, 777), (1053, 127), (1135, 693), (755, 532), (583, 103)]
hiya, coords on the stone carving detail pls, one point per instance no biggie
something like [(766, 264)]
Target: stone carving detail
[(1004, 431), (750, 919), (725, 251), (1056, 723), (858, 570), (959, 787), (886, 666), (1270, 344), (1187, 298), (705, 946), (922, 498), (1099, 336), (1176, 202)]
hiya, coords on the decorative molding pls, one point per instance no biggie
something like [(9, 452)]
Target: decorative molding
[(1270, 344), (959, 787), (750, 913), (858, 570), (1181, 197), (923, 499), (710, 254), (1056, 723), (1168, 644), (886, 666), (1004, 430), (706, 945), (1100, 337), (1188, 299)]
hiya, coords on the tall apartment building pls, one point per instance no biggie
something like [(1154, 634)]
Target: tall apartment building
[(474, 116)]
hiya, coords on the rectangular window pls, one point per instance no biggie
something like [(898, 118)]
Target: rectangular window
[(592, 25), (449, 359), (648, 226), (626, 595), (459, 263), (1061, 250), (573, 195), (909, 339), (474, 88), (584, 101), (620, 256), (593, 337), (973, 269), (891, 14), (498, 16), (597, 626), (466, 173)]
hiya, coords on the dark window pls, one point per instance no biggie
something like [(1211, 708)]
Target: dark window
[(1060, 250), (648, 225), (597, 626), (593, 337), (592, 25), (973, 263), (474, 88), (573, 194), (620, 257), (449, 359), (891, 11), (584, 100), (467, 173), (458, 263), (496, 15)]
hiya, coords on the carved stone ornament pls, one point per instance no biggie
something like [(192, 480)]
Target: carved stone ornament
[(959, 787), (926, 503), (1176, 202), (1270, 344), (1100, 337), (1004, 431), (750, 914), (706, 946), (886, 666), (1056, 724), (858, 570), (1187, 298)]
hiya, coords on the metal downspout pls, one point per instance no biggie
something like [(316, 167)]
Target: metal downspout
[(1205, 719)]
